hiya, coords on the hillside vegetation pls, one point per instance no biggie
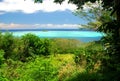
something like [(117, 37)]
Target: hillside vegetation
[(30, 58)]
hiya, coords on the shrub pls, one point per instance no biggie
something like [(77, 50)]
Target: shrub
[(29, 41), (84, 76), (7, 44), (63, 46), (89, 56), (33, 45), (1, 57)]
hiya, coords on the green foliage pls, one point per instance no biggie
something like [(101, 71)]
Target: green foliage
[(3, 79), (111, 27), (65, 45), (106, 4), (90, 56), (79, 3), (47, 47), (26, 62), (29, 45), (1, 57), (29, 42), (26, 46), (95, 15), (85, 76), (40, 69), (94, 54), (38, 1), (7, 44), (93, 11), (80, 56), (111, 44), (35, 45)]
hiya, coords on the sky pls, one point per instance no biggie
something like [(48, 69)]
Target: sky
[(27, 14)]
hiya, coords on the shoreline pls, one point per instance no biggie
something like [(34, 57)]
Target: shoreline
[(80, 29)]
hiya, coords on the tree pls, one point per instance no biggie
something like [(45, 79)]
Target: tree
[(33, 45), (7, 44), (94, 14)]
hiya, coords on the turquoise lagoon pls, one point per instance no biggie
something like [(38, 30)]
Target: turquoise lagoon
[(84, 36)]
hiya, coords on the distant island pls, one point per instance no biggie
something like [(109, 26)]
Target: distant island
[(79, 29)]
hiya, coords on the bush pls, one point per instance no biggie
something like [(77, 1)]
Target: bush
[(84, 76), (62, 46), (89, 56), (7, 44), (80, 57), (29, 41), (33, 45), (2, 57), (3, 78), (38, 70)]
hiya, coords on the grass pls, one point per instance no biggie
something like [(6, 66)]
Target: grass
[(62, 59), (66, 65)]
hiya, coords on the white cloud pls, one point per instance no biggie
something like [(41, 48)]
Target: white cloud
[(38, 26), (58, 26), (28, 6), (12, 26)]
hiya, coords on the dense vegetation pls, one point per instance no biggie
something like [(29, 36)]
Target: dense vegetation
[(109, 23), (30, 58), (34, 59)]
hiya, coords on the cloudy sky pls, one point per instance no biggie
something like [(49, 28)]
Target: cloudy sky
[(27, 14)]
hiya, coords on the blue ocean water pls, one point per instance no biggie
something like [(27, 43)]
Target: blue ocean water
[(84, 36)]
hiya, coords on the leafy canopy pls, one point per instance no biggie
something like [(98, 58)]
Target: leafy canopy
[(79, 3)]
